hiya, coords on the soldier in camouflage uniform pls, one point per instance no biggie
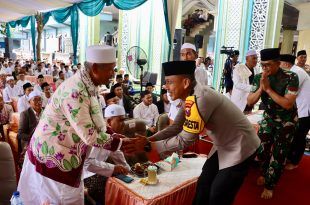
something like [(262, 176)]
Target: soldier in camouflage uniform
[(277, 89)]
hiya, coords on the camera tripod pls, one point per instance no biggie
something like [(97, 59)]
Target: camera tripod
[(222, 82)]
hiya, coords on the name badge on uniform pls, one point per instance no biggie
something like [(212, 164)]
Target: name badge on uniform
[(193, 121)]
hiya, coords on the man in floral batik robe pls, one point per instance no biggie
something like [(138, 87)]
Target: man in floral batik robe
[(71, 122)]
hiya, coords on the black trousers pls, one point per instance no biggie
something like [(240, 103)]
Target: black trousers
[(299, 141), (96, 187), (219, 187)]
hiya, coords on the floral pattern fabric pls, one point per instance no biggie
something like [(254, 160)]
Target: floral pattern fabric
[(70, 122)]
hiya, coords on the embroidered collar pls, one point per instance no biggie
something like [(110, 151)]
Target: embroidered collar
[(90, 87)]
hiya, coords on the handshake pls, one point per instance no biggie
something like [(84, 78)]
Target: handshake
[(134, 145)]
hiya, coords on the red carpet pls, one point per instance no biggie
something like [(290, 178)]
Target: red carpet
[(292, 189)]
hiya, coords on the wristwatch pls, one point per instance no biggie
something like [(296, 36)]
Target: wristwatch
[(148, 146)]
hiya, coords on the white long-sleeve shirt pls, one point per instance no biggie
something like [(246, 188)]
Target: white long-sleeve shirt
[(201, 75), (96, 163), (147, 113), (303, 97), (45, 100), (20, 84), (8, 70), (38, 88), (242, 86), (68, 74), (9, 93), (22, 104), (175, 105)]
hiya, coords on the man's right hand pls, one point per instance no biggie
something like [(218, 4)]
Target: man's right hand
[(134, 145)]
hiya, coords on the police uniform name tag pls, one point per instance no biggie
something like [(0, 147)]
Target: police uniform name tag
[(193, 121)]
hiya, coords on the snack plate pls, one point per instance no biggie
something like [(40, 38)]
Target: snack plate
[(141, 173)]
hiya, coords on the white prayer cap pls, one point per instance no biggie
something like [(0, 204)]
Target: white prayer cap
[(74, 67), (114, 110), (34, 94), (100, 54), (251, 53), (9, 78), (188, 45)]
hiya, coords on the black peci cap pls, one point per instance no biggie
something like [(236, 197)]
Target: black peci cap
[(288, 58), (302, 52), (270, 54), (179, 68), (27, 85), (149, 84), (109, 96)]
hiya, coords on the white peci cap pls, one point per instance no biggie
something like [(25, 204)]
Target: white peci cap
[(34, 94), (9, 78), (114, 110), (251, 53), (188, 45), (100, 54)]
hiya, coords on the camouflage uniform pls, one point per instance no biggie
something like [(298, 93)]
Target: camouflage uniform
[(277, 127)]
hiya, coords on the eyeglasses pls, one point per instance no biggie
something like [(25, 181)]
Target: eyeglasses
[(267, 65)]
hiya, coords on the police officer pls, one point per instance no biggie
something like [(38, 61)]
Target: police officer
[(277, 89), (235, 140)]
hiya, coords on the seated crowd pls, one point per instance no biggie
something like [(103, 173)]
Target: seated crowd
[(25, 91), (119, 103)]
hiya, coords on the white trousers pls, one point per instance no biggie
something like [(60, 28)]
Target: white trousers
[(36, 189)]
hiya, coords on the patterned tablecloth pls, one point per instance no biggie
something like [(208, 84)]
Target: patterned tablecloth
[(175, 187), (255, 118)]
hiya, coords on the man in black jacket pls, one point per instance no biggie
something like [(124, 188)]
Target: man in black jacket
[(29, 118), (124, 100), (150, 87), (164, 104)]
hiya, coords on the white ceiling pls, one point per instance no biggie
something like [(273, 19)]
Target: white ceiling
[(15, 9)]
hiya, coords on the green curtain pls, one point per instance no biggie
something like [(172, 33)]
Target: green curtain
[(60, 16), (24, 22), (93, 7), (33, 36), (8, 32), (74, 31), (88, 7), (165, 6), (127, 4)]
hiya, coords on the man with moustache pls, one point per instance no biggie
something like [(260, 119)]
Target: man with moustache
[(277, 88)]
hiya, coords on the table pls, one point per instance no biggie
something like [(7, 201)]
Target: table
[(176, 187), (255, 118)]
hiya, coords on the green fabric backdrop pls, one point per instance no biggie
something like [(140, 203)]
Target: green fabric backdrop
[(88, 7)]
